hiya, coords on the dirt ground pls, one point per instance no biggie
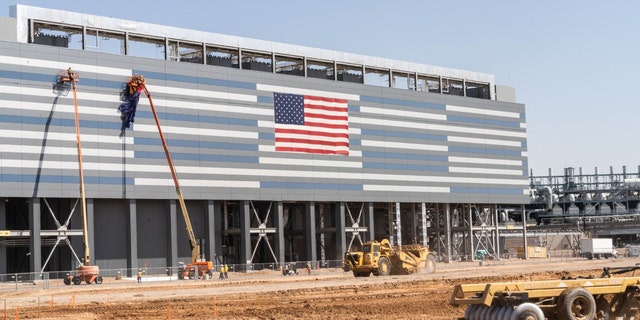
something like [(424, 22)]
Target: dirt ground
[(325, 294)]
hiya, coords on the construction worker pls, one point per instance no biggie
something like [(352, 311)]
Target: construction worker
[(139, 275), (221, 272), (226, 270)]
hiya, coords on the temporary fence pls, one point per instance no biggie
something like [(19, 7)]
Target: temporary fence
[(51, 279)]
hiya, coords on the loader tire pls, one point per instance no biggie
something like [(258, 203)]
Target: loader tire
[(99, 280), (67, 281), (384, 267), (76, 280), (576, 304)]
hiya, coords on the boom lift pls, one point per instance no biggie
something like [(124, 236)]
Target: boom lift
[(197, 266), (86, 272)]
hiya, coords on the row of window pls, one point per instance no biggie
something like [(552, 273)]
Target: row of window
[(90, 39)]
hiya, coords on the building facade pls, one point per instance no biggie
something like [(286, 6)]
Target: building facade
[(283, 152)]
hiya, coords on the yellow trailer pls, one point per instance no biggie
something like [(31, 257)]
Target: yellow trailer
[(581, 298)]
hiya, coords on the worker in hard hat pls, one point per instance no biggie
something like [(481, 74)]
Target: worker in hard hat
[(139, 275)]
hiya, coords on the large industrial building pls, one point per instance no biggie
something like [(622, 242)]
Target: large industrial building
[(283, 152)]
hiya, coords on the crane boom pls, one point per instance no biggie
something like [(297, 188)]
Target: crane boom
[(138, 82)]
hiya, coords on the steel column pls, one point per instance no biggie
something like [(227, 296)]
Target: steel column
[(35, 241), (132, 238), (172, 249)]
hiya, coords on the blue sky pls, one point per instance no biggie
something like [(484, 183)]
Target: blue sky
[(573, 63)]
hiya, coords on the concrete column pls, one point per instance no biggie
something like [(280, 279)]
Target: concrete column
[(341, 240), (497, 224), (218, 213), (91, 226), (310, 232), (279, 224), (245, 232), (132, 238), (524, 232), (370, 224), (3, 226), (423, 237), (35, 241), (398, 225), (172, 221), (210, 235), (447, 215)]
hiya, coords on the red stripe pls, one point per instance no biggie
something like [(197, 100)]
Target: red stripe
[(326, 125), (309, 150), (326, 99), (312, 133), (312, 141), (325, 116)]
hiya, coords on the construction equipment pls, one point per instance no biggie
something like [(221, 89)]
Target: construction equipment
[(381, 259), (86, 272), (575, 298), (197, 266)]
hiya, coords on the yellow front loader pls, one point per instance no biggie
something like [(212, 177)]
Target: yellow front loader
[(382, 259)]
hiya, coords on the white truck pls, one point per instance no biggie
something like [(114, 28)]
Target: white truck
[(598, 248)]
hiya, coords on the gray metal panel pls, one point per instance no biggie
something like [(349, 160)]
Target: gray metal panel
[(236, 164)]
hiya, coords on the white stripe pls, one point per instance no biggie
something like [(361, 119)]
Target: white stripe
[(483, 111), (403, 145), (131, 169), (400, 113), (196, 131), (311, 137), (51, 150), (63, 108), (327, 94), (57, 136), (485, 171), (434, 127), (524, 153), (485, 161), (201, 93), (523, 125), (271, 124), (63, 66), (204, 106), (198, 183), (38, 92), (312, 162), (384, 187), (485, 141)]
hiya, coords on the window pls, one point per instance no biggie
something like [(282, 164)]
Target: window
[(403, 80), (57, 35), (477, 90), (428, 84), (257, 61), (104, 41), (290, 65), (320, 69), (145, 47), (185, 52), (376, 77), (223, 57), (453, 87), (349, 73)]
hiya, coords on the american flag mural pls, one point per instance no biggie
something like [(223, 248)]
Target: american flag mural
[(311, 124)]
